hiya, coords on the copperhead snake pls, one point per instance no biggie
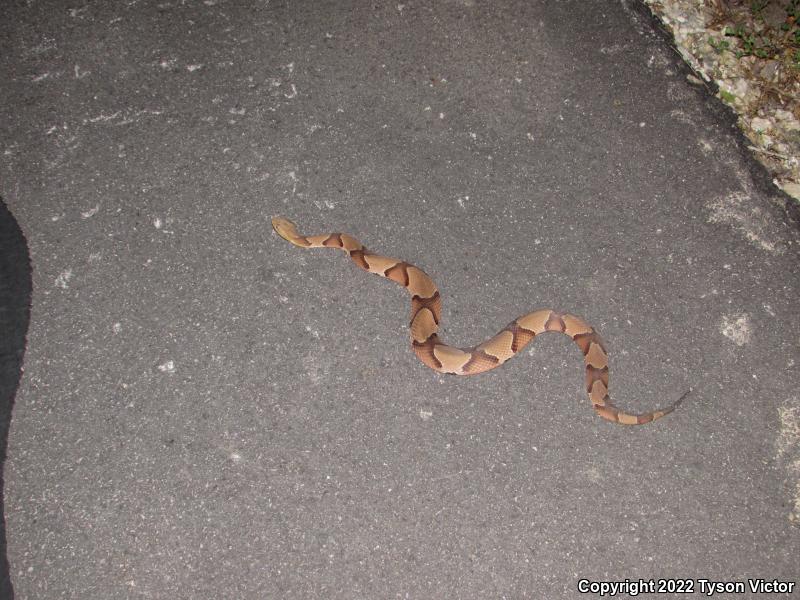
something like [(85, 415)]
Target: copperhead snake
[(426, 308)]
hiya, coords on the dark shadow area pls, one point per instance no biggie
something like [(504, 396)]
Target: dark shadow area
[(15, 296)]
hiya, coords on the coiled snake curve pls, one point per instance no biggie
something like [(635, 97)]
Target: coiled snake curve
[(426, 311)]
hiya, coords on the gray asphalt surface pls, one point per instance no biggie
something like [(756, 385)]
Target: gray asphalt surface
[(209, 412)]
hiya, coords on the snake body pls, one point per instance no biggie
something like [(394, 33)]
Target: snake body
[(426, 308)]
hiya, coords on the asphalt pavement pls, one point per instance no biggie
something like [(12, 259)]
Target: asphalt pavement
[(209, 412)]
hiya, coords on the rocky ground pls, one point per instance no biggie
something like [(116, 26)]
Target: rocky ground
[(751, 51)]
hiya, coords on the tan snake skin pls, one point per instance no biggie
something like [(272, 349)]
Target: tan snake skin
[(426, 311)]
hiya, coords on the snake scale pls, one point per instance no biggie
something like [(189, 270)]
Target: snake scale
[(426, 308)]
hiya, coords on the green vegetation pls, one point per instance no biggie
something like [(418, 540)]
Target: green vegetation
[(764, 29)]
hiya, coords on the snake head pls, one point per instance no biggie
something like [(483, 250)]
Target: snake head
[(288, 231)]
